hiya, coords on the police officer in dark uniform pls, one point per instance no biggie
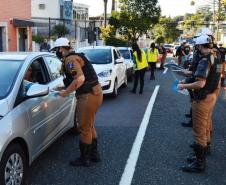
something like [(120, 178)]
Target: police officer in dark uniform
[(205, 92), (191, 79), (83, 79)]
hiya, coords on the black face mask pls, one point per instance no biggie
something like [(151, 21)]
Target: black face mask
[(59, 54)]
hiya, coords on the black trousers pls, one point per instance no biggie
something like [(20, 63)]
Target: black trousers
[(139, 74), (152, 66)]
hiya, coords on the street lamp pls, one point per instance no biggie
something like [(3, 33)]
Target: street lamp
[(105, 12)]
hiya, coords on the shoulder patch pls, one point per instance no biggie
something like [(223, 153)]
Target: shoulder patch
[(70, 66)]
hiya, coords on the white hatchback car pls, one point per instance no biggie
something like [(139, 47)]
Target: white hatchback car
[(127, 54), (109, 66)]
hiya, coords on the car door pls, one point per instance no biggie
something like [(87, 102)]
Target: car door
[(64, 106), (120, 67), (48, 114)]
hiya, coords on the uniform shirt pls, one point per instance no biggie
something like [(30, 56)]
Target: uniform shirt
[(73, 65), (202, 70)]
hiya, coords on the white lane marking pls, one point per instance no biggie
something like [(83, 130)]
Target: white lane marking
[(127, 175), (164, 72)]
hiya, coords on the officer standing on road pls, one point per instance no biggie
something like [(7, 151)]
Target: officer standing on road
[(205, 87), (152, 59), (190, 79), (140, 62), (89, 98)]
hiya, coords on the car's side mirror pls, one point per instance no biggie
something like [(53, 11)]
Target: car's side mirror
[(37, 90), (118, 61)]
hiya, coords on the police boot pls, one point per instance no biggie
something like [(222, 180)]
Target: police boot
[(84, 159), (199, 164), (94, 156), (208, 148)]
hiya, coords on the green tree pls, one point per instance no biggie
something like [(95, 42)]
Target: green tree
[(60, 30), (165, 31), (194, 22), (137, 16)]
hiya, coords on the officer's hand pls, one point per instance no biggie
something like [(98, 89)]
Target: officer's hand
[(186, 72), (180, 86), (63, 93), (182, 81)]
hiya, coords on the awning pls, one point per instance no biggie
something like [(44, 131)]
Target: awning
[(22, 23)]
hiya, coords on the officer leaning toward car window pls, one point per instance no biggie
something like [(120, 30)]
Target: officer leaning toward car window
[(205, 92), (89, 98)]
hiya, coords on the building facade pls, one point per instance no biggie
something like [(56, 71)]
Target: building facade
[(48, 14), (15, 25)]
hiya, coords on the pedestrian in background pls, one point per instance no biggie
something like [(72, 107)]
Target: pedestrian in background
[(180, 52), (140, 63), (163, 52), (89, 96), (205, 92), (45, 47), (222, 51), (152, 59)]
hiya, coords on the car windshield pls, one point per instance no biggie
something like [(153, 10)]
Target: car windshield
[(98, 56), (8, 73), (125, 53)]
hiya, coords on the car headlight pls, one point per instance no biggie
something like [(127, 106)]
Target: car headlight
[(106, 73)]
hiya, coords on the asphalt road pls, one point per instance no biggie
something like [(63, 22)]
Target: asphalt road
[(163, 150)]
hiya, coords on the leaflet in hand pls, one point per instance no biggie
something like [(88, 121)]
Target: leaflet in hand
[(175, 89)]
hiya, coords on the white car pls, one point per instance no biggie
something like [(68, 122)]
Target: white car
[(127, 54), (32, 114), (109, 66)]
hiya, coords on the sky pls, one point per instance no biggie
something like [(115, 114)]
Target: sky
[(169, 7)]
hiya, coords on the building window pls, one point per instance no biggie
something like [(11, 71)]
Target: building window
[(41, 6)]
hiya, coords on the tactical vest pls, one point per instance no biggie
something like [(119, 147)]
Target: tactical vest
[(143, 63), (91, 78), (212, 80), (152, 56)]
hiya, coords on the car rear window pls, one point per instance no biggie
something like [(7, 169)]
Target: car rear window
[(8, 74), (98, 56), (125, 53)]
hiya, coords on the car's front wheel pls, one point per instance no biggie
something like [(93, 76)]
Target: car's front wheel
[(13, 166), (125, 81), (115, 89)]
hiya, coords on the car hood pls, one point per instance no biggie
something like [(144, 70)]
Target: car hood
[(4, 108), (102, 67)]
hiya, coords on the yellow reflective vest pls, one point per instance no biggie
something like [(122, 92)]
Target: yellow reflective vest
[(141, 64), (152, 56)]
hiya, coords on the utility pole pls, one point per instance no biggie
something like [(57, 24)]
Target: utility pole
[(105, 13), (218, 18), (49, 28), (113, 6), (214, 16)]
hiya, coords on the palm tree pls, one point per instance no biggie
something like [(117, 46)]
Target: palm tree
[(105, 12)]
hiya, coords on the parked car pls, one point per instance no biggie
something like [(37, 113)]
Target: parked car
[(127, 54), (32, 114), (169, 48), (109, 66)]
